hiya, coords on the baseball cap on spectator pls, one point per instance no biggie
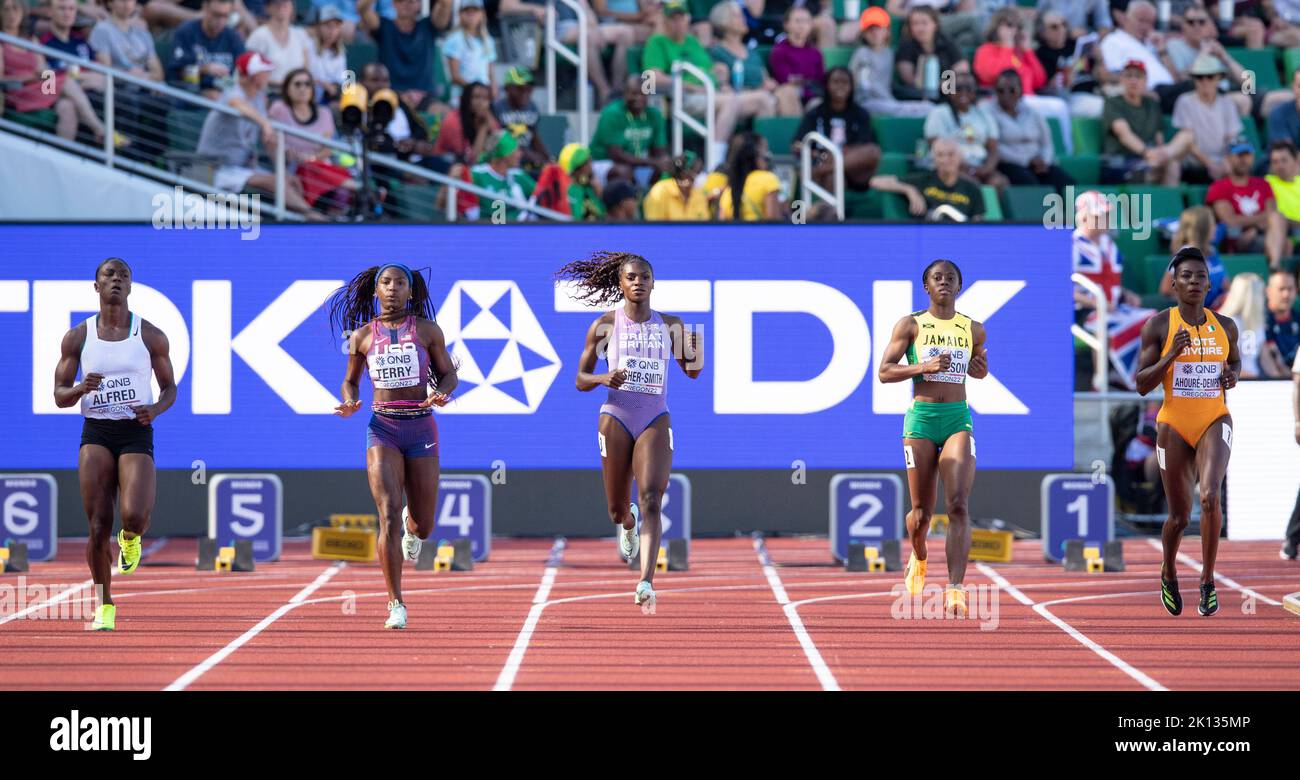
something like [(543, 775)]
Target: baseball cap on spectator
[(875, 16), (573, 157), (328, 13), (1241, 146), (1206, 65), (675, 7), (251, 63), (1091, 203), (1136, 65), (505, 146), (617, 192), (471, 3), (519, 76)]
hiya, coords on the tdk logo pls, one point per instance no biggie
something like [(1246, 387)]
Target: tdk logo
[(98, 734)]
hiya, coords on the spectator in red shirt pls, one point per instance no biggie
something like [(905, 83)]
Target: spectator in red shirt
[(1006, 47), (465, 131), (1241, 202)]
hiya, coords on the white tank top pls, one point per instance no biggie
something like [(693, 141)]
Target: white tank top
[(127, 370)]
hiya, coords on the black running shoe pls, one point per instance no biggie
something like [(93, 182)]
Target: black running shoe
[(1209, 600), (1169, 595)]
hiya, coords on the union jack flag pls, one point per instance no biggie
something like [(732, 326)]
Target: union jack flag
[(1124, 330)]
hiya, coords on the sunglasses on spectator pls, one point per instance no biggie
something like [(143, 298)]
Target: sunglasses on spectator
[(300, 83), (1208, 77), (1196, 20)]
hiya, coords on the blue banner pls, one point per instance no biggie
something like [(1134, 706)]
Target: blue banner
[(794, 319)]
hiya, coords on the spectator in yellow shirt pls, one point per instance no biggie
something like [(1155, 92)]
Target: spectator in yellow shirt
[(1282, 178), (675, 198), (760, 191)]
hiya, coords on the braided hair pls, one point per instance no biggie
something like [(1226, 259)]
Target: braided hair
[(353, 304), (597, 276)]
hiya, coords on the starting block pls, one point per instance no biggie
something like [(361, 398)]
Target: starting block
[(13, 557), (878, 557), (673, 556), (236, 557), (456, 555), (992, 546), (355, 522), (1093, 558), (343, 544)]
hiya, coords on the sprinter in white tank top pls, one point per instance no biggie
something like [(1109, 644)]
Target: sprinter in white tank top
[(117, 353)]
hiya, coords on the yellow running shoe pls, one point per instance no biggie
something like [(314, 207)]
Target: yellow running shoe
[(128, 553), (105, 618), (914, 578), (954, 602)]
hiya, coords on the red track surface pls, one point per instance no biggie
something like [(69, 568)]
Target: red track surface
[(514, 622)]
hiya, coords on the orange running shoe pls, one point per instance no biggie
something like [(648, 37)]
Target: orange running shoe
[(914, 577), (954, 602)]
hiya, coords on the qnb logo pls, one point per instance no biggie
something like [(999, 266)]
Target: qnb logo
[(131, 735), (505, 362)]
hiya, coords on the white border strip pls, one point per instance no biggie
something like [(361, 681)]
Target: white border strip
[(819, 667), (516, 659)]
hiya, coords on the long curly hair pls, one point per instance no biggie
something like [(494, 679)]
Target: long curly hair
[(597, 276), (353, 304)]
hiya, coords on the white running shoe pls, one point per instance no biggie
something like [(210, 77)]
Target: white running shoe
[(410, 542), (396, 615), (645, 596), (629, 540)]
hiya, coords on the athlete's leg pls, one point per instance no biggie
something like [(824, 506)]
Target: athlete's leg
[(922, 456), (616, 469), (652, 462), (1176, 475), (386, 470), (97, 475), (422, 493), (138, 486), (957, 467), (1212, 453)]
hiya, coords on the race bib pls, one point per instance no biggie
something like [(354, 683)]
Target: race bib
[(956, 373), (114, 395), (1197, 379), (643, 375), (395, 366)]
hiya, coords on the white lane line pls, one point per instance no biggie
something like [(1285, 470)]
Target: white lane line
[(506, 678), (1230, 582), (1119, 663), (819, 667), (184, 681)]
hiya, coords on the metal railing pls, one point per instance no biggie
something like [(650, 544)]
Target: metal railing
[(1100, 342), (680, 116), (108, 154), (812, 188), (579, 61)]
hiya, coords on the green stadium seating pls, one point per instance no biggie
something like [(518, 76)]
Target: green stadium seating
[(893, 164), (863, 205), (1058, 138), (765, 52), (1264, 64), (44, 119), (1153, 270), (1027, 204), (1087, 135), (836, 56), (778, 130), (634, 58), (304, 10), (1084, 168), (1290, 61), (162, 46), (553, 128), (358, 54), (1165, 201), (895, 208), (1251, 130), (1246, 263), (183, 128), (1156, 301), (992, 206), (1194, 194), (898, 133)]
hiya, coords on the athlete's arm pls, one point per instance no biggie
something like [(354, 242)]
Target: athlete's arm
[(1233, 370), (66, 389), (352, 379), (596, 335), (443, 366), (1151, 364), (687, 346), (160, 355), (979, 356), (893, 371)]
